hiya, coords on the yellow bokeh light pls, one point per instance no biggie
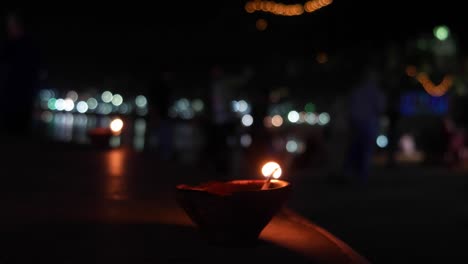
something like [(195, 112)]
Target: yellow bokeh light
[(272, 169)]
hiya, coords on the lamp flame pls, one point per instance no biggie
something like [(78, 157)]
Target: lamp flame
[(272, 169), (116, 125)]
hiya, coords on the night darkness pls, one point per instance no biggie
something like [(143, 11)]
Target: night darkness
[(359, 107), (203, 33)]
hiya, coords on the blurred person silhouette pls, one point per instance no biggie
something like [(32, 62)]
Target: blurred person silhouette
[(367, 103), (21, 63), (159, 102)]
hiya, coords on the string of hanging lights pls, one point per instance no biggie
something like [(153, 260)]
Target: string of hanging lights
[(281, 9)]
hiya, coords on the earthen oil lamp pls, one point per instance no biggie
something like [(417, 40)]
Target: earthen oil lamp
[(101, 136), (234, 213)]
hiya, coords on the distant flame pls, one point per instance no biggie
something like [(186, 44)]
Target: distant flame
[(272, 168), (116, 125)]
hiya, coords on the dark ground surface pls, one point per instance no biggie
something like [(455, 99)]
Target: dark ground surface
[(406, 215), (58, 204)]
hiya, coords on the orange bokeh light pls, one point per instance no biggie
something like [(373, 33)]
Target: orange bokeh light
[(261, 24), (433, 89), (322, 58), (411, 71), (285, 9), (277, 121)]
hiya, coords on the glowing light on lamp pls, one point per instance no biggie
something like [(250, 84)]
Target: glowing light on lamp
[(270, 170), (116, 125)]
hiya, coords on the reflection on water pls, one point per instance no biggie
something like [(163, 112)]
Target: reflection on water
[(116, 181), (139, 134), (115, 141), (63, 126), (68, 127)]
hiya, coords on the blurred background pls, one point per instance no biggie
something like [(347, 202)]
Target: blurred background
[(360, 101)]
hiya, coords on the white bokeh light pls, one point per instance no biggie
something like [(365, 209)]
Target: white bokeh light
[(92, 103), (245, 140), (291, 146), (82, 107), (117, 100), (243, 106), (72, 95), (235, 106), (60, 104), (197, 105), (141, 101), (247, 120), (311, 118), (323, 119), (293, 116), (107, 97), (382, 141), (68, 105)]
